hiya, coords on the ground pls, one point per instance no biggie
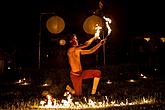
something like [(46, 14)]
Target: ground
[(130, 87)]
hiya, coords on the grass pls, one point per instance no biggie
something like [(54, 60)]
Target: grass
[(17, 97)]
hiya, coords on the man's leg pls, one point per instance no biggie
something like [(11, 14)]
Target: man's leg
[(77, 84), (95, 84), (96, 74)]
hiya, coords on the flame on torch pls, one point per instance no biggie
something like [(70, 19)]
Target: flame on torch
[(108, 21), (97, 33)]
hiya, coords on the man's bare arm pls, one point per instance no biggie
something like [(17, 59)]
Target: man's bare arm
[(88, 42), (93, 49)]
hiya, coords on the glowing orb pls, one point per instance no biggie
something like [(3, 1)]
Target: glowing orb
[(90, 24), (55, 24), (62, 42)]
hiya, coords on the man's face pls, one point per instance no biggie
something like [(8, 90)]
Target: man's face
[(74, 41)]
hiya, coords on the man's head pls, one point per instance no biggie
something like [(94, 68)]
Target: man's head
[(73, 40)]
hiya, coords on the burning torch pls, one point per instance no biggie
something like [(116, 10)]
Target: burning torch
[(98, 28), (97, 33)]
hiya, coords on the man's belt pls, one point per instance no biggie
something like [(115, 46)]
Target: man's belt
[(76, 73)]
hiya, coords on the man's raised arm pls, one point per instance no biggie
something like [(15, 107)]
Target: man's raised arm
[(88, 42), (93, 49)]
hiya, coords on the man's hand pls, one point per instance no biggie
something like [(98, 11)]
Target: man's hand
[(103, 41)]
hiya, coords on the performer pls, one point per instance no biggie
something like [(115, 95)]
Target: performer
[(77, 74)]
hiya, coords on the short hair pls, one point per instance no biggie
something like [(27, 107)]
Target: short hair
[(70, 37)]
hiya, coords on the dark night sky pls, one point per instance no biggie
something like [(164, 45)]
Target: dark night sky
[(20, 19)]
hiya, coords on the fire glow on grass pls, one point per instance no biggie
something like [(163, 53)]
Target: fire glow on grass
[(68, 103)]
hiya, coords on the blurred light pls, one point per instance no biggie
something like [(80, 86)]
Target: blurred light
[(109, 82), (8, 67), (55, 24), (144, 77), (131, 80), (155, 69), (45, 84), (147, 39), (162, 39), (47, 56), (19, 81), (62, 42), (25, 83), (141, 75), (90, 24)]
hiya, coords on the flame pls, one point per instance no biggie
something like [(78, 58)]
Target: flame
[(108, 21), (98, 28), (97, 33), (68, 102)]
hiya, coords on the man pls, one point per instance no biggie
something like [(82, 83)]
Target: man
[(77, 74)]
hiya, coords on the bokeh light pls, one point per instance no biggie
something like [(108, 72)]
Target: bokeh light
[(90, 24), (62, 42), (55, 24)]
